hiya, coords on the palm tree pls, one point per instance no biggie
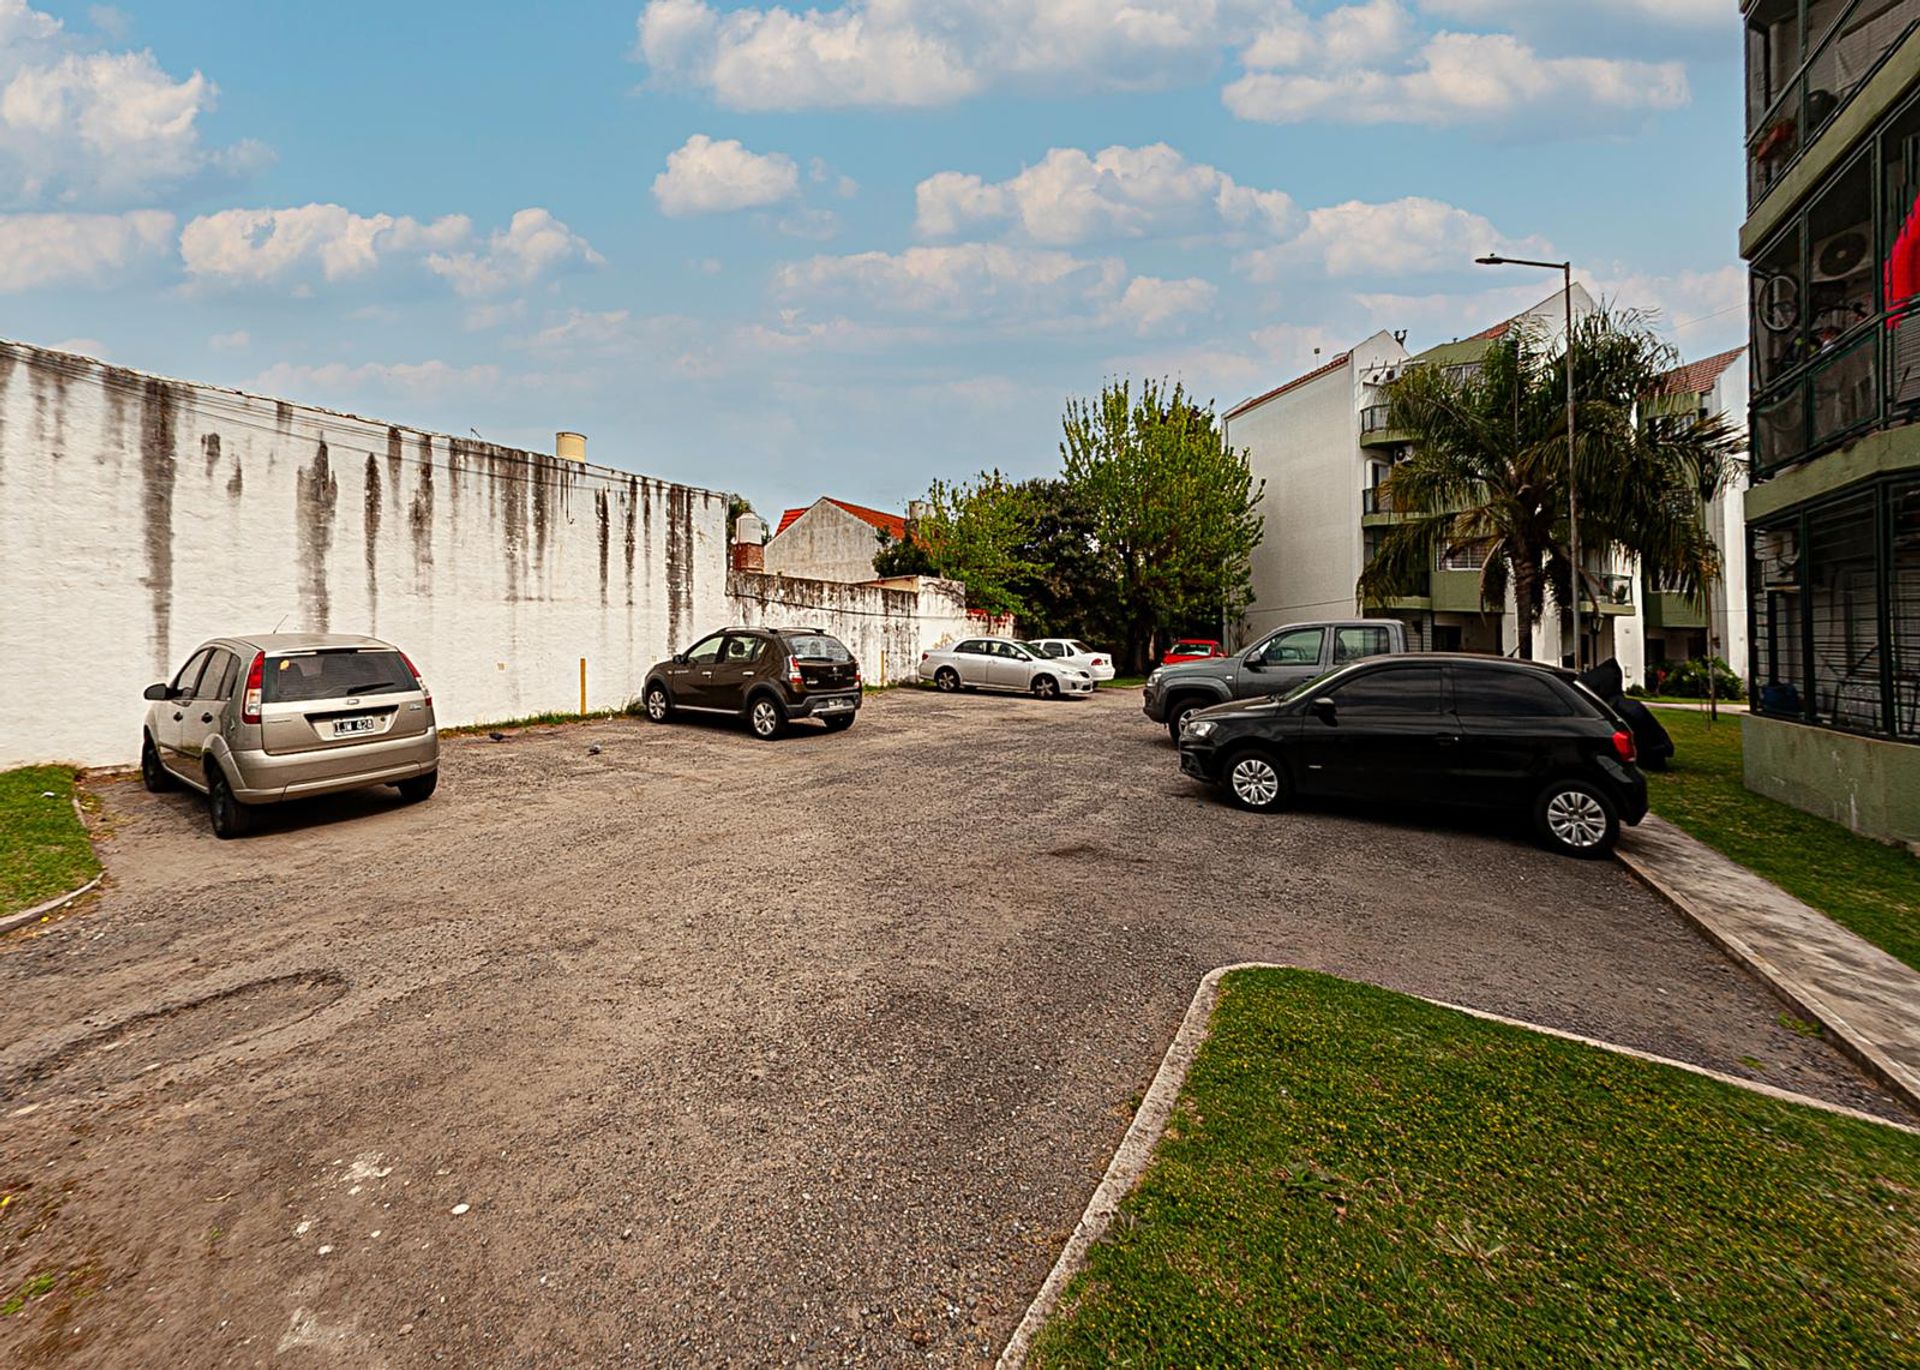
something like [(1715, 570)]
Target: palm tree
[(1488, 471)]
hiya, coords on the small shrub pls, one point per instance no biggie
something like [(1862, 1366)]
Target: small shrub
[(1697, 678)]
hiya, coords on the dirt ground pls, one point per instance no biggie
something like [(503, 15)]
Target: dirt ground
[(705, 1050)]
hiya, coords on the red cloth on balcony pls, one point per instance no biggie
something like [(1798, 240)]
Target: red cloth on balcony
[(1903, 262)]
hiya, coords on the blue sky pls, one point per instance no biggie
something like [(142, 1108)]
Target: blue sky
[(844, 250)]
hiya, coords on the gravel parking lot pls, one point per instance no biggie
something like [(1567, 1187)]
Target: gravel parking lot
[(701, 1049)]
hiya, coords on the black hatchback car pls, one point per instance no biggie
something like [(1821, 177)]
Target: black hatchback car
[(1432, 729), (768, 676)]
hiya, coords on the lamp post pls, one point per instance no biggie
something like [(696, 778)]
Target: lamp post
[(1573, 492)]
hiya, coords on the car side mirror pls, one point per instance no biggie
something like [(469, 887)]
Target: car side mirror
[(158, 693), (679, 658), (1323, 709), (1254, 663)]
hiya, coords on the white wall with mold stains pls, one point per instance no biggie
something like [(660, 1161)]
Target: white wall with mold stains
[(139, 516), (885, 629)]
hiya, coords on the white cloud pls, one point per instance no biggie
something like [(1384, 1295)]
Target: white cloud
[(83, 126), (1677, 13), (38, 250), (1353, 35), (533, 246), (239, 340), (932, 52), (1406, 237), (1149, 304), (294, 245), (1465, 78), (705, 176), (1120, 192)]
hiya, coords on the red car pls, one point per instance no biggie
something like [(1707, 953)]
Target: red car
[(1192, 649)]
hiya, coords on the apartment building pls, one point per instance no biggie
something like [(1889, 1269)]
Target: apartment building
[(1832, 237), (1322, 445)]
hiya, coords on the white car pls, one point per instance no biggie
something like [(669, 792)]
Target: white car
[(995, 663), (1074, 652)]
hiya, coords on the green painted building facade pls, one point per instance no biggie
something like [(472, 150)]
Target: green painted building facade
[(1832, 239)]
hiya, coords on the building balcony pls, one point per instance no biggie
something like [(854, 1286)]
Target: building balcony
[(1374, 431), (1614, 595), (1669, 609), (1806, 60)]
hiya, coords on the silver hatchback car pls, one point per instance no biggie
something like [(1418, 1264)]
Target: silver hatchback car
[(255, 720)]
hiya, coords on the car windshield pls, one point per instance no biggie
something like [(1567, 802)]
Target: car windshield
[(334, 675), (818, 647)]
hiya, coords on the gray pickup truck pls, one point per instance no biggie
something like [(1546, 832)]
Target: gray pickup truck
[(1273, 665)]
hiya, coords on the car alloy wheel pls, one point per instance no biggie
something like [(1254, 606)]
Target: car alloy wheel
[(1047, 687), (946, 678), (1255, 781), (1577, 820), (657, 707), (765, 718)]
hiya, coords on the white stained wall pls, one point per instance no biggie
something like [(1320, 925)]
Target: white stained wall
[(1305, 444), (886, 629), (1728, 520), (825, 543), (139, 516)]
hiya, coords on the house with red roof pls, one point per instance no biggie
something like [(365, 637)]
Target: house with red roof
[(831, 539)]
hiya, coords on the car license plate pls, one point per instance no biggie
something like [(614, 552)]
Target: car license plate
[(347, 727), (834, 706)]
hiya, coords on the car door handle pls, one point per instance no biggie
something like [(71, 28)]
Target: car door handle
[(178, 716), (1447, 739), (706, 673), (206, 718)]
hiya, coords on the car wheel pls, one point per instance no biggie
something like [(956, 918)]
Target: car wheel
[(1178, 713), (230, 818), (1576, 819), (1046, 687), (659, 707), (157, 778), (839, 723), (947, 679), (1255, 781), (767, 719), (420, 787)]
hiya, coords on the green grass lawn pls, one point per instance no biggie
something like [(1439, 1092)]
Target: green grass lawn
[(1354, 1177), (1867, 886), (44, 850)]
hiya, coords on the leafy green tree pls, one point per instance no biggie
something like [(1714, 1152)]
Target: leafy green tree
[(978, 534), (1170, 508), (1488, 470)]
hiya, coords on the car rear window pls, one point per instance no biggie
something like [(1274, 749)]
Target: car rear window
[(334, 675), (1507, 694), (818, 647)]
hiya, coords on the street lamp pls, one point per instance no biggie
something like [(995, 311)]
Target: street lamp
[(1573, 494)]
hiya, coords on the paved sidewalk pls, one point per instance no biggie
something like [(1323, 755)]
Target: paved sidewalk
[(1868, 1001)]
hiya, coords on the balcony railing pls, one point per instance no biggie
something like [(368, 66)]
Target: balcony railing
[(1375, 500), (1841, 57), (1373, 419), (1612, 590), (1857, 385)]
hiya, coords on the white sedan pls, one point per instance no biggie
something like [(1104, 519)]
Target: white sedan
[(995, 663), (1074, 652)]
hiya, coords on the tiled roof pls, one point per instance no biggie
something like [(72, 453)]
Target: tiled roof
[(1696, 378), (1294, 384), (892, 525)]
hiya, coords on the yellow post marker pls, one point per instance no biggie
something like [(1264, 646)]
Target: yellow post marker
[(583, 685)]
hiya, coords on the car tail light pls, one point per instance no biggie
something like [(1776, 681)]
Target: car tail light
[(256, 677), (426, 694), (794, 678), (1099, 661), (1624, 748)]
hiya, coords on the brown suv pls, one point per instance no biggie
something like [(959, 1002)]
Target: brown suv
[(768, 676)]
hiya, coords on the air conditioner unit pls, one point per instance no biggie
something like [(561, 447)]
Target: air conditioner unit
[(1843, 255)]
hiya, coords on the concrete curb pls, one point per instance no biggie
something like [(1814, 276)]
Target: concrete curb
[(1136, 1148), (1802, 999), (38, 911)]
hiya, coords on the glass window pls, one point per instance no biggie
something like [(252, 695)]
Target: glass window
[(1356, 644), (1843, 282), (1482, 693), (1903, 588), (1779, 673), (221, 673), (819, 647), (1396, 690), (188, 681), (706, 651), (1298, 648), (1843, 613), (1778, 315), (334, 675), (972, 647), (743, 651), (1081, 648)]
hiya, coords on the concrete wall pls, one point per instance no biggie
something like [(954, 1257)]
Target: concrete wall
[(1871, 786), (139, 516), (885, 628), (825, 543)]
